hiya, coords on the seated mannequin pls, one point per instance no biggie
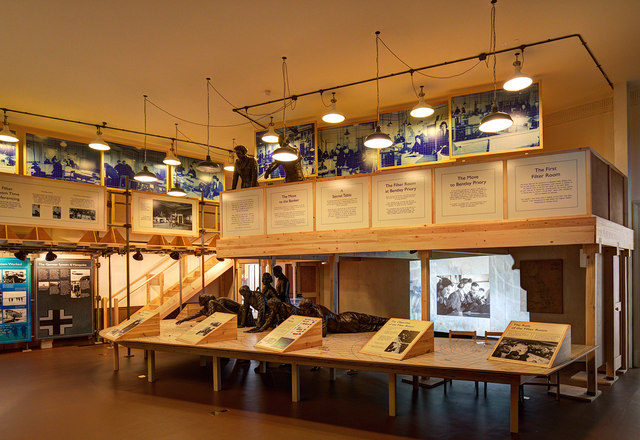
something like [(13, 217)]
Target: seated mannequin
[(277, 312), (347, 322), (255, 300), (211, 305), (282, 284)]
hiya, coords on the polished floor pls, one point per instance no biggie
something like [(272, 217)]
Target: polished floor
[(73, 393)]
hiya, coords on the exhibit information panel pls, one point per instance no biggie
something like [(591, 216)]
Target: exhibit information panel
[(15, 300), (398, 338), (295, 333), (537, 343), (243, 213), (64, 298), (469, 193), (31, 201), (546, 186), (136, 326), (217, 327), (290, 208), (156, 214), (401, 199), (342, 204)]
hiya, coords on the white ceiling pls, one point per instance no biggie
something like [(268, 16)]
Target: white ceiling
[(93, 60)]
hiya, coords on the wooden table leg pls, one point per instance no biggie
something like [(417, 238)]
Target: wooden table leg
[(332, 374), (414, 382), (262, 367), (592, 375), (116, 357), (295, 383), (151, 365), (217, 374), (392, 395), (515, 402), (203, 361)]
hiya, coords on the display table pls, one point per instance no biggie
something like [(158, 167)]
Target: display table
[(452, 359)]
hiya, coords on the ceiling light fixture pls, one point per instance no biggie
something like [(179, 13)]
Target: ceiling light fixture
[(421, 109), (138, 256), (6, 135), (496, 120), (207, 165), (333, 116), (21, 255), (519, 80), (145, 175), (50, 256), (98, 143), (172, 158), (270, 137), (175, 255), (231, 166), (377, 139), (177, 191), (284, 152)]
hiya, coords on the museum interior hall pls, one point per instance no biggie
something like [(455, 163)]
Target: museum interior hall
[(364, 219)]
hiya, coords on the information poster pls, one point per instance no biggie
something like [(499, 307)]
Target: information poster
[(155, 214), (547, 186), (15, 300), (8, 157), (294, 329), (290, 208), (469, 193), (397, 337), (342, 204), (243, 213), (64, 298), (30, 201), (211, 327), (537, 343), (401, 199)]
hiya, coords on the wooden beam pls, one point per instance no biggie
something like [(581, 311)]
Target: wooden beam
[(425, 280), (590, 304)]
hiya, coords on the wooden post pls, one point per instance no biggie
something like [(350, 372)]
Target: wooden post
[(515, 402), (334, 282), (591, 287), (425, 281), (295, 382), (624, 313), (217, 376), (151, 365), (116, 311), (116, 357), (332, 374), (392, 395), (105, 313)]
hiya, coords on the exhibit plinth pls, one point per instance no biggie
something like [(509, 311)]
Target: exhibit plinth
[(217, 327)]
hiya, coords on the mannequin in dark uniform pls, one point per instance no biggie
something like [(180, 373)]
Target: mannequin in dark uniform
[(282, 284), (347, 322), (246, 168)]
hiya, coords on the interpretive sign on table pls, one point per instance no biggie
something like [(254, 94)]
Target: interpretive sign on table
[(15, 300), (469, 193), (64, 298), (537, 343), (290, 208), (401, 199), (342, 204), (401, 339), (144, 323), (243, 213), (157, 214), (296, 333), (32, 201), (217, 327), (547, 186)]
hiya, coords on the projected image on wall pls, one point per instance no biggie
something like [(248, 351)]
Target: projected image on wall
[(463, 295)]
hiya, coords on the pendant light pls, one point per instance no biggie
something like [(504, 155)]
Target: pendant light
[(172, 158), (175, 190), (207, 165), (145, 175), (496, 120), (519, 80), (231, 166), (421, 109), (5, 134), (377, 139), (98, 143), (333, 116), (284, 152), (270, 137)]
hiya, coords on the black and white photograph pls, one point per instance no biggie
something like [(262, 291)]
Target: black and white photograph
[(56, 212), (415, 140), (407, 336), (14, 276), (35, 210), (196, 182), (14, 315), (17, 298), (209, 328), (123, 161), (539, 352), (341, 151), (54, 287), (82, 214), (62, 160), (43, 285), (123, 330), (172, 215), (8, 157), (396, 347), (463, 295), (300, 136), (80, 283), (468, 110)]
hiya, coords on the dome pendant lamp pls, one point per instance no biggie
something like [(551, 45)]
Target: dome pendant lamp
[(5, 134), (519, 80), (99, 143), (333, 116), (377, 139), (207, 165), (270, 137), (421, 109), (284, 152), (172, 158), (145, 175)]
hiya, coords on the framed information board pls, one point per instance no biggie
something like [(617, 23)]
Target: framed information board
[(15, 300)]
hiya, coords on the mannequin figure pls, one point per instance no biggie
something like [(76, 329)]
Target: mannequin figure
[(246, 168), (347, 322), (282, 284)]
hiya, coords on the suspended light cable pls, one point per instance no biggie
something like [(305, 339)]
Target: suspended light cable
[(378, 139), (145, 175), (207, 165), (284, 152)]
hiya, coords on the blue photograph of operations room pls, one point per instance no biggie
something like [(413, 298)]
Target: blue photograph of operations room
[(123, 161)]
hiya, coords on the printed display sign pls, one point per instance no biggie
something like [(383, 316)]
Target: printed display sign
[(217, 327), (400, 339), (156, 214), (293, 334), (290, 208), (143, 323), (27, 201), (342, 204), (64, 298), (469, 193), (547, 186), (243, 213), (401, 199), (15, 300)]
